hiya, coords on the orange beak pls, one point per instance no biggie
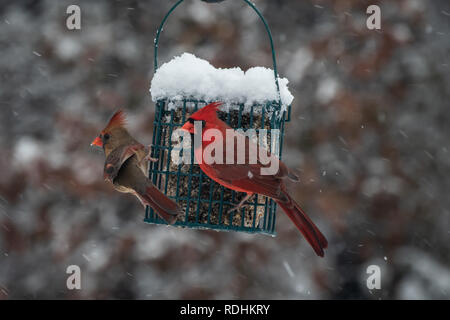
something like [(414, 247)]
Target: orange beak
[(189, 127), (97, 142)]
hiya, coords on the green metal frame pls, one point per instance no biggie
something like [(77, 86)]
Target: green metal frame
[(161, 168)]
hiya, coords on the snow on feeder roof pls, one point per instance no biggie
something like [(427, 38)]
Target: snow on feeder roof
[(189, 76)]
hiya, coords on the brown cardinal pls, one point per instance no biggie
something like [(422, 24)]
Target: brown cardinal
[(247, 177), (126, 167)]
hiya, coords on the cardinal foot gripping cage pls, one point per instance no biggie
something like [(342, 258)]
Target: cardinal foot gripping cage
[(207, 204)]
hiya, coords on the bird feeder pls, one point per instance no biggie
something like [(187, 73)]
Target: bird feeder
[(207, 204)]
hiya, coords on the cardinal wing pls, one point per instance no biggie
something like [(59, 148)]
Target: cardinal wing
[(117, 158), (252, 176)]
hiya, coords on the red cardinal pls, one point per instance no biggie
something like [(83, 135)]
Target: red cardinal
[(248, 178), (126, 168)]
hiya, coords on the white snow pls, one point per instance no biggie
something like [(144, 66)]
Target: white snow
[(189, 76), (327, 90), (300, 62), (288, 269), (26, 151)]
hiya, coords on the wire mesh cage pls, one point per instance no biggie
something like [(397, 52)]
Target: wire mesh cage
[(207, 204)]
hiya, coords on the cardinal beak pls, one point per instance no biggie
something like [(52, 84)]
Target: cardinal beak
[(97, 142), (189, 127)]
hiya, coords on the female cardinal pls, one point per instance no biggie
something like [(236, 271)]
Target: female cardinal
[(125, 167), (247, 177)]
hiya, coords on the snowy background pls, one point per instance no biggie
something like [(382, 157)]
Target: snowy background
[(370, 137)]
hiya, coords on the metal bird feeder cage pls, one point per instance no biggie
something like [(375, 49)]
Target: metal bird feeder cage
[(206, 203)]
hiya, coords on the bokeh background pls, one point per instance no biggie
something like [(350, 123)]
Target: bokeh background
[(369, 136)]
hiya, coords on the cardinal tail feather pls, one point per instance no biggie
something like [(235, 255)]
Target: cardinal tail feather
[(165, 207), (303, 223)]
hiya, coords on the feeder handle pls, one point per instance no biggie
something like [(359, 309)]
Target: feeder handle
[(275, 72)]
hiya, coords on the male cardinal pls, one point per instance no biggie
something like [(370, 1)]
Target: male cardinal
[(247, 177), (126, 167)]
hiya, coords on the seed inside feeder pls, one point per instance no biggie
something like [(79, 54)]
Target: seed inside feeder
[(209, 202)]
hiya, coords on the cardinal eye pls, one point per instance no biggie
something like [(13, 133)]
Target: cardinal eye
[(109, 169), (190, 120), (106, 136)]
